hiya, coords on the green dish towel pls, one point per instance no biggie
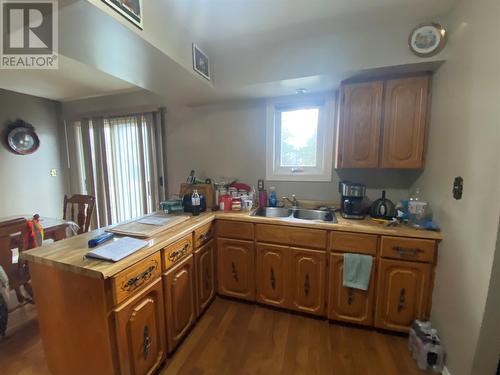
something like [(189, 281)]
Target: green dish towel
[(357, 271)]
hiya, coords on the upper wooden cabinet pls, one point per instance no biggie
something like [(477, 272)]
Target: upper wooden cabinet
[(360, 125), (405, 120), (369, 137)]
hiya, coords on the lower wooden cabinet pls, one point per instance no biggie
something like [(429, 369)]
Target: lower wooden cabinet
[(308, 280), (204, 264), (349, 304), (140, 331), (272, 274), (403, 293), (236, 268), (179, 284)]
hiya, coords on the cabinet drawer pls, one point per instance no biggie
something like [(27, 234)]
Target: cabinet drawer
[(292, 236), (408, 249), (136, 277), (178, 250), (353, 242), (203, 234), (235, 229)]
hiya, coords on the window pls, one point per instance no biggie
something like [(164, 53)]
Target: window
[(299, 140), (117, 162)]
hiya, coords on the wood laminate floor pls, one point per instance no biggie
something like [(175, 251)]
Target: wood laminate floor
[(239, 338)]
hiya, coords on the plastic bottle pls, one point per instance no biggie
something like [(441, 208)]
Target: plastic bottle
[(418, 326), (195, 202), (431, 355), (273, 200)]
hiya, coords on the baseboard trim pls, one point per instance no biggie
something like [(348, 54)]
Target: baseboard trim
[(445, 371)]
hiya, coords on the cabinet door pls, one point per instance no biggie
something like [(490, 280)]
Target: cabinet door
[(236, 268), (204, 259), (405, 122), (360, 125), (140, 331), (272, 270), (348, 304), (308, 281), (180, 306), (402, 293)]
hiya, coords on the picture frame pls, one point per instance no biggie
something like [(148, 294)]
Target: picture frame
[(427, 39), (201, 64), (129, 9)]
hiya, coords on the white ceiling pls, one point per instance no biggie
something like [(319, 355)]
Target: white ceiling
[(71, 81), (257, 48), (262, 20)]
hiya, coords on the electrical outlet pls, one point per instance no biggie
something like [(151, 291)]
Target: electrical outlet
[(53, 172)]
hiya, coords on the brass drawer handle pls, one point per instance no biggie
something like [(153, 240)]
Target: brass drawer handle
[(176, 254), (402, 299), (135, 282), (205, 236), (307, 285), (407, 252), (350, 296), (146, 344), (234, 272)]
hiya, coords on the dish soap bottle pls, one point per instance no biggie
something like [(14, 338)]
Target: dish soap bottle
[(195, 202), (273, 201)]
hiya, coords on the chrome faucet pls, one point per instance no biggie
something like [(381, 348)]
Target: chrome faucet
[(293, 201)]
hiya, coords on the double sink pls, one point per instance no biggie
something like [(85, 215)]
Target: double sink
[(295, 213)]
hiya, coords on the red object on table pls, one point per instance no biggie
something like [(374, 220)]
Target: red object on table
[(226, 202)]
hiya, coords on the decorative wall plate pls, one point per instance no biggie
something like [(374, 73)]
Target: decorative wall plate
[(427, 39), (22, 138)]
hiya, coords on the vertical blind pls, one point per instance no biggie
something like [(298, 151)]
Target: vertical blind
[(119, 160)]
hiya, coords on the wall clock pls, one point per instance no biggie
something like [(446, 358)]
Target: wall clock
[(427, 39), (22, 138)]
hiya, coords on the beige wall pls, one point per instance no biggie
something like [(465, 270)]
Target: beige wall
[(464, 141), (26, 186), (229, 140)]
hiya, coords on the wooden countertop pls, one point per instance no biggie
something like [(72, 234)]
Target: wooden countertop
[(69, 254), (367, 225)]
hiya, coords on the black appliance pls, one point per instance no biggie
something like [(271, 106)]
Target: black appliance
[(352, 205), (383, 208), (188, 206)]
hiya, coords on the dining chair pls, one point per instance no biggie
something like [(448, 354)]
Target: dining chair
[(85, 205), (11, 235)]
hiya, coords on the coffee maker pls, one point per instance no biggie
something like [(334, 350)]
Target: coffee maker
[(352, 200)]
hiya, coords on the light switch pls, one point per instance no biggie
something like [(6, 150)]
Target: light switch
[(53, 172)]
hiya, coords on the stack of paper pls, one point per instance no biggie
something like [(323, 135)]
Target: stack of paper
[(118, 249)]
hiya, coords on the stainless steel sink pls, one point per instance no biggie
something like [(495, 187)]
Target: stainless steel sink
[(297, 213), (272, 212), (314, 215)]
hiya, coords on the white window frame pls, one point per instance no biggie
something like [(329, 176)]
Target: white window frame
[(323, 170)]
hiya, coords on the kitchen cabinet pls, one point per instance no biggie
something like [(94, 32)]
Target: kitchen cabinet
[(349, 304), (405, 121), (180, 301), (236, 268), (308, 268), (272, 274), (403, 293), (204, 259), (383, 124), (140, 331), (360, 125)]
